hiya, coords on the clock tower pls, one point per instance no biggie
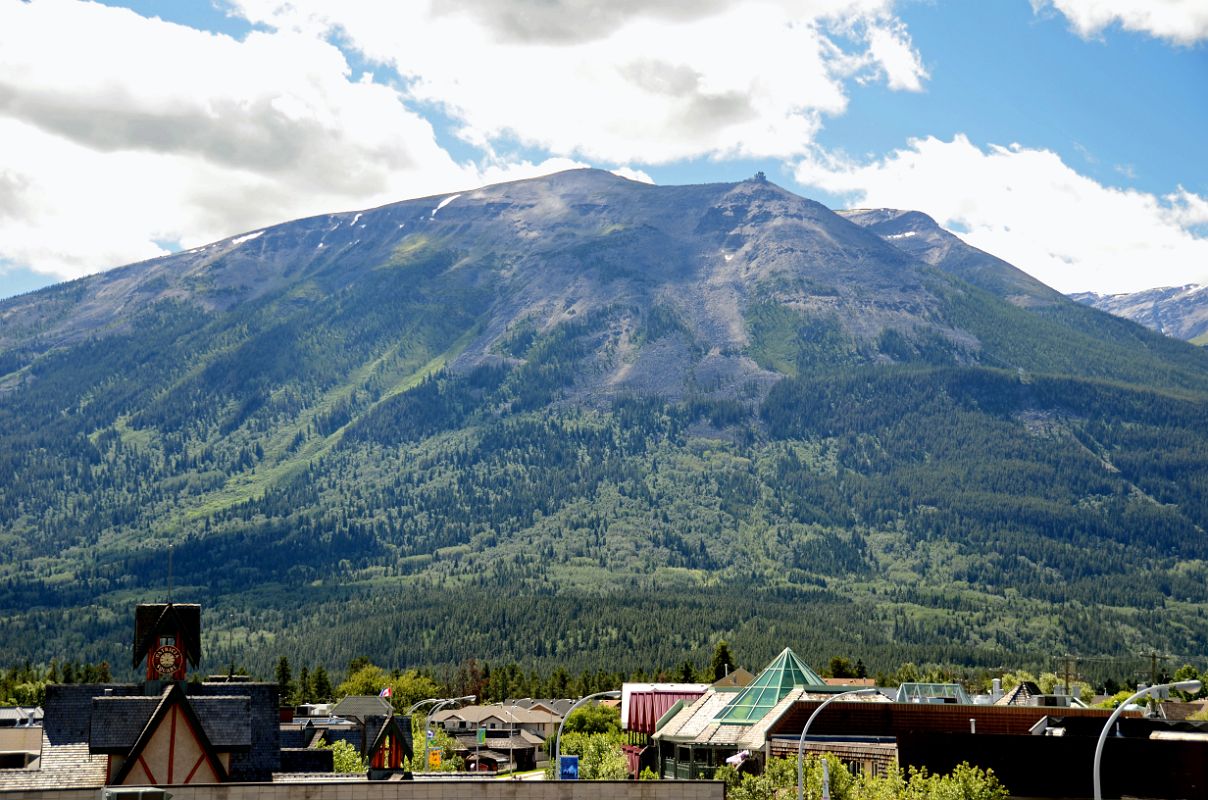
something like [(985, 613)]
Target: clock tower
[(168, 637)]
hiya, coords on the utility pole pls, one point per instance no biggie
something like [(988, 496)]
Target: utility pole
[(1154, 656), (1070, 661)]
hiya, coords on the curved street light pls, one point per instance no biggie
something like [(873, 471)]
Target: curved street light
[(558, 742), (805, 730), (411, 710), (1190, 687), (440, 703)]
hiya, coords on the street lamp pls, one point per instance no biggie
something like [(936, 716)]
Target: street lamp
[(805, 730), (558, 742), (1190, 687), (411, 710), (428, 719)]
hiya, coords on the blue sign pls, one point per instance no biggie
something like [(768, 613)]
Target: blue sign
[(568, 768)]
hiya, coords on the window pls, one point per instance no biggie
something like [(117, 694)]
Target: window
[(163, 640)]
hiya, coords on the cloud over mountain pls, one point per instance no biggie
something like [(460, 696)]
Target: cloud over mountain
[(1031, 208)]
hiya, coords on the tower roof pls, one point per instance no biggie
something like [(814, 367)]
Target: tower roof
[(153, 619), (785, 673)]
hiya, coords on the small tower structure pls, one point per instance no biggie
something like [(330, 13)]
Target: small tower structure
[(168, 637)]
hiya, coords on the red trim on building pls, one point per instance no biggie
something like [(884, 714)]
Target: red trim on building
[(147, 769), (201, 759), (171, 742)]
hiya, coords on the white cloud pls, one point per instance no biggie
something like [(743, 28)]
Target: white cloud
[(123, 132), (1030, 208), (633, 174), (120, 132), (625, 82), (1187, 209), (1180, 21)]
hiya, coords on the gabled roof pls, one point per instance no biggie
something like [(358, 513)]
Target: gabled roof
[(152, 619), (512, 715), (737, 677), (556, 706), (402, 733), (117, 722), (173, 696), (785, 673), (363, 706)]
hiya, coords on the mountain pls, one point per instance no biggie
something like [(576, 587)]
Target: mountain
[(1178, 311), (579, 420)]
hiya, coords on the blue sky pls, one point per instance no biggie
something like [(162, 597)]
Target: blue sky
[(1065, 136)]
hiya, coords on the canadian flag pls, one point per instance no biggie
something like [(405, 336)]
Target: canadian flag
[(385, 692)]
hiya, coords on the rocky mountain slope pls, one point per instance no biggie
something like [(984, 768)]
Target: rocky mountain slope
[(580, 418), (1178, 311)]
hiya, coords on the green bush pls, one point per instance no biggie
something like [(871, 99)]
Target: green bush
[(966, 782)]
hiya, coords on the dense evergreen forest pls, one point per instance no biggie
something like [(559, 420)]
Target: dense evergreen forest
[(960, 515)]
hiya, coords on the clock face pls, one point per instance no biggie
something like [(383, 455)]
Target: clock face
[(166, 659)]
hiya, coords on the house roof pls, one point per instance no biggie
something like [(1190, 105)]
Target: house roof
[(173, 696), (263, 756), (737, 677), (514, 742), (20, 715), (786, 673), (642, 704), (556, 706), (65, 761), (505, 713), (391, 725), (152, 619), (363, 706), (698, 724)]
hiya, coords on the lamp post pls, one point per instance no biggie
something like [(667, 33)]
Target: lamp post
[(440, 703), (1182, 686), (558, 742), (805, 730), (411, 710)]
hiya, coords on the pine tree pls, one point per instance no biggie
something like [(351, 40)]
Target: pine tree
[(321, 690), (285, 684), (722, 662)]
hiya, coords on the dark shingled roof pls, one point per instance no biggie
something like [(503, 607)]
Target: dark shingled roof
[(263, 756), (306, 760), (65, 760), (152, 619), (173, 698), (362, 706), (241, 718), (378, 728), (293, 735), (227, 721), (118, 721), (67, 709)]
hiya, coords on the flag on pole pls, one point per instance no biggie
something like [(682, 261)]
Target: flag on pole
[(482, 735), (385, 692)]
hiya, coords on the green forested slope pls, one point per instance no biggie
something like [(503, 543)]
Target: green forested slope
[(592, 455)]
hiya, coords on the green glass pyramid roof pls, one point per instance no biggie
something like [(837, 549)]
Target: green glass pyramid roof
[(785, 673)]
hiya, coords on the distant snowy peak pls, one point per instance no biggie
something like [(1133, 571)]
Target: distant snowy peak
[(1178, 311)]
